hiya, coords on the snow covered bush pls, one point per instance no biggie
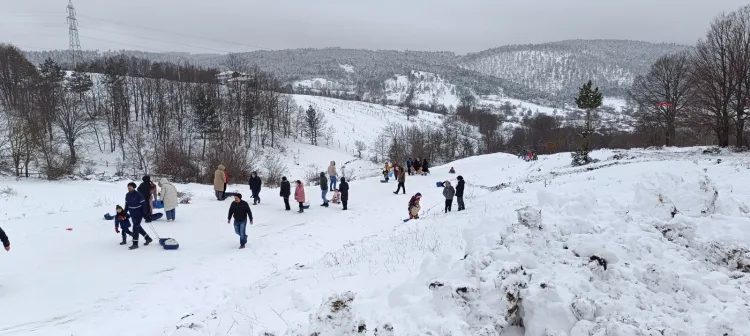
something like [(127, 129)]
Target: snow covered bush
[(530, 217), (273, 169), (335, 317)]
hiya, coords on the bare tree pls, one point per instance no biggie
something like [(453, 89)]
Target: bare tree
[(663, 95), (359, 146)]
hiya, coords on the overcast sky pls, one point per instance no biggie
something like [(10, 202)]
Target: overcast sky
[(210, 26)]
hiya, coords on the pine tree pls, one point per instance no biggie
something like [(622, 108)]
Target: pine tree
[(589, 100), (315, 123), (205, 116), (410, 110)]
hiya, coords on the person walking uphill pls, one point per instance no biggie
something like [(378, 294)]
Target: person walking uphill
[(460, 193), (299, 196), (169, 197), (136, 207), (255, 184), (448, 192), (332, 175), (344, 189), (220, 182), (5, 240), (324, 189), (240, 210), (286, 190), (145, 189), (401, 180)]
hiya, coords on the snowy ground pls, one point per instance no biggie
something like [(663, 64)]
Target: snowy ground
[(671, 227)]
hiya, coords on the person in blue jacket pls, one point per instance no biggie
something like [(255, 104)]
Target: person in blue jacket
[(135, 205), (122, 222)]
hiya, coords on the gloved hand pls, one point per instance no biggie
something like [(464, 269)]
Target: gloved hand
[(117, 229)]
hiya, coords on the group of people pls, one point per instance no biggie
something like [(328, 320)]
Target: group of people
[(139, 206), (528, 155)]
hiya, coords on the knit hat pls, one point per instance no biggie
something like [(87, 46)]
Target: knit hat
[(118, 207), (146, 178), (343, 179), (283, 178), (460, 178), (132, 184)]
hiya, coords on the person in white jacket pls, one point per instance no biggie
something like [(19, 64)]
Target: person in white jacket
[(169, 196)]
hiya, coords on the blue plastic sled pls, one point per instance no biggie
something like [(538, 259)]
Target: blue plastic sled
[(439, 184), (107, 216), (156, 216), (157, 204), (390, 174), (383, 181), (169, 243)]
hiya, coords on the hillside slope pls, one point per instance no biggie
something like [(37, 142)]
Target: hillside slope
[(560, 67)]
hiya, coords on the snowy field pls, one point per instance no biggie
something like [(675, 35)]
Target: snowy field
[(642, 243)]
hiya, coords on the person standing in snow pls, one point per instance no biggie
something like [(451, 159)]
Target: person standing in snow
[(408, 165), (220, 182), (4, 239), (417, 164), (401, 178), (425, 167), (332, 175), (145, 189), (414, 206), (460, 193), (386, 171), (255, 184), (324, 189), (344, 189), (448, 192), (299, 196), (240, 210), (122, 222), (136, 207), (169, 197), (285, 191)]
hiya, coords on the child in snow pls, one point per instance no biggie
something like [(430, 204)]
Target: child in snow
[(448, 192), (299, 196), (336, 197), (452, 171), (414, 206), (122, 220)]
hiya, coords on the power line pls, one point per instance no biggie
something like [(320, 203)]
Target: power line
[(174, 33), (125, 44), (154, 39)]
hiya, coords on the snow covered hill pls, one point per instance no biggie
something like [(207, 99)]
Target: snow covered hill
[(642, 243)]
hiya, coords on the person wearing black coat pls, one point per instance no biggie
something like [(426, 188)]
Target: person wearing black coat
[(145, 189), (425, 167), (285, 192), (344, 189), (5, 240), (324, 189), (460, 193), (242, 214), (255, 184)]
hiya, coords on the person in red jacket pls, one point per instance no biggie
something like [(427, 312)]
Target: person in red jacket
[(4, 239)]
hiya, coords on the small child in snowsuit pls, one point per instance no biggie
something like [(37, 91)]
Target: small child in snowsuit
[(122, 220), (414, 206), (452, 171), (449, 192), (336, 199)]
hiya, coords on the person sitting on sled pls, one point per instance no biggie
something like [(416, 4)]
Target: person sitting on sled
[(122, 220), (414, 206), (336, 197), (452, 171)]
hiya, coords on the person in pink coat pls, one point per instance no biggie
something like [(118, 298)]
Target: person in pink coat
[(299, 196)]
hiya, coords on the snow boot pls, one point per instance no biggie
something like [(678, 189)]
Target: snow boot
[(148, 241), (123, 242), (134, 246)]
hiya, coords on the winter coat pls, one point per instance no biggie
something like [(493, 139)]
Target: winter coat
[(425, 166), (240, 211), (4, 238), (323, 182), (416, 164), (122, 220), (344, 189), (449, 192), (402, 176), (285, 189), (145, 188), (299, 193), (408, 163), (460, 187), (387, 167), (219, 178), (332, 169), (255, 183), (168, 195), (135, 204), (414, 210)]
